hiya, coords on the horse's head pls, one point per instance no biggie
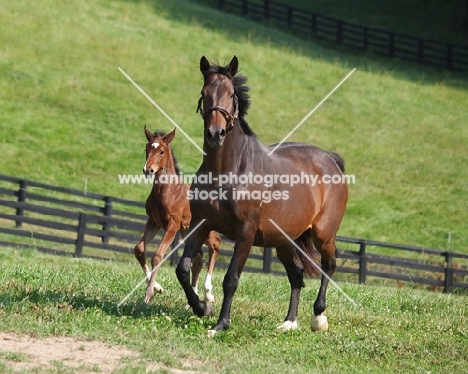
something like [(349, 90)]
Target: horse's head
[(218, 105), (158, 151)]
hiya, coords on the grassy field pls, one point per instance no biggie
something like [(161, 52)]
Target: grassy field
[(391, 331), (69, 117)]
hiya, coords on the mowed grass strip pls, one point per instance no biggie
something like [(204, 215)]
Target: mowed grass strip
[(70, 118)]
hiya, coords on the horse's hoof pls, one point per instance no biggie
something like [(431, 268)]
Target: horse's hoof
[(319, 323), (288, 325), (208, 310), (212, 333)]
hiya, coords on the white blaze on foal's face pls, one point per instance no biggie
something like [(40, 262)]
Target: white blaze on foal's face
[(154, 155)]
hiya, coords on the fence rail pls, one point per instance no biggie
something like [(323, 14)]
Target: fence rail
[(68, 222), (382, 42)]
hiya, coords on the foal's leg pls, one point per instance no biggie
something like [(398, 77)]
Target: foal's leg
[(150, 232), (213, 243), (294, 269), (167, 239)]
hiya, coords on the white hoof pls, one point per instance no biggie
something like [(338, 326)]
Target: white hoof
[(288, 325), (319, 323), (209, 297), (158, 288), (212, 333)]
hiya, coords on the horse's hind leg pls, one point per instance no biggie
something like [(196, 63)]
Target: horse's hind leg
[(150, 232), (294, 269), (324, 241), (213, 243), (167, 239)]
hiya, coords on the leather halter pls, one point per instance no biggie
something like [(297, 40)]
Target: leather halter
[(232, 117)]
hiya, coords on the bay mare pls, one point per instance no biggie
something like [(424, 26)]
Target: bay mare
[(168, 208), (310, 216)]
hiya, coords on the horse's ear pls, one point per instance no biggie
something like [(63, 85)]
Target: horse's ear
[(149, 134), (233, 65), (204, 65), (169, 137)]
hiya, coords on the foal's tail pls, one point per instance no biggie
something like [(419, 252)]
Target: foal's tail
[(305, 243)]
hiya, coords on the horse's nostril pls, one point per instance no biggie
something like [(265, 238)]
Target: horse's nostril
[(222, 133)]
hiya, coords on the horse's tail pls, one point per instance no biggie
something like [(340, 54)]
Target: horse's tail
[(339, 160), (305, 243)]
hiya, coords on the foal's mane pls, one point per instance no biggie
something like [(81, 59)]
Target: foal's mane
[(241, 90), (161, 134)]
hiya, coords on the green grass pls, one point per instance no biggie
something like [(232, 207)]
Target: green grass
[(391, 331), (68, 115)]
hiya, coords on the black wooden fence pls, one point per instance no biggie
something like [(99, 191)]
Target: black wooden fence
[(382, 42), (69, 222)]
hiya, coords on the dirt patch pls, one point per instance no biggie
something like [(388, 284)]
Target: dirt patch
[(22, 352)]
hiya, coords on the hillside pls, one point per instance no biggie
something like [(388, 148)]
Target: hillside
[(69, 116)]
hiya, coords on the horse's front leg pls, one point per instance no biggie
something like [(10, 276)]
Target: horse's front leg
[(213, 243), (167, 239), (244, 242), (192, 246)]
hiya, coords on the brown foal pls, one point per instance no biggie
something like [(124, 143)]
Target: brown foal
[(168, 208)]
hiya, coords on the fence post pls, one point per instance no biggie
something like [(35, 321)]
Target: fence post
[(449, 57), (420, 50), (391, 45), (107, 213), (245, 7), (448, 284), (80, 235), (21, 199), (266, 9), (290, 16), (267, 260), (362, 262), (365, 39), (314, 23), (339, 32)]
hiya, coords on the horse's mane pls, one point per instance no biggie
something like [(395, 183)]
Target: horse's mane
[(241, 90), (161, 134)]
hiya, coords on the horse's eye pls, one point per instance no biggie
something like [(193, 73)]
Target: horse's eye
[(161, 153)]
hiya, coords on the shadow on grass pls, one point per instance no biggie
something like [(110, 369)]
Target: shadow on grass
[(208, 17), (78, 302)]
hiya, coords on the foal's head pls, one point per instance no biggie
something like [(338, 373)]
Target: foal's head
[(158, 152)]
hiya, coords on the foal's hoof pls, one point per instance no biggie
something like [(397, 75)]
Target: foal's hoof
[(158, 288), (288, 325), (209, 297), (149, 295), (319, 323)]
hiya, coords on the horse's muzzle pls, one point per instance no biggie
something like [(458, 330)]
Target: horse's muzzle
[(215, 137)]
